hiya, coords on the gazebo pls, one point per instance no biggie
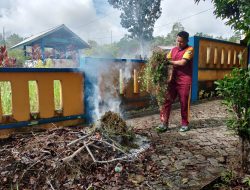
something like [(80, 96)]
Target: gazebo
[(56, 43)]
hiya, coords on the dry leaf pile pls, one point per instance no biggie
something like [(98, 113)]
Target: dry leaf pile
[(68, 158)]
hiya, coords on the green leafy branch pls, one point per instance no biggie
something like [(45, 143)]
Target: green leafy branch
[(154, 76)]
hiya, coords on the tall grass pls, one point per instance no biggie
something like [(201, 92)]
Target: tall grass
[(33, 97), (57, 95), (6, 97)]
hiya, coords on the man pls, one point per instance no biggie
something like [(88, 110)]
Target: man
[(181, 57)]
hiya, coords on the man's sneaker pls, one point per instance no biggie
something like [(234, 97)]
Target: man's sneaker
[(161, 128), (184, 128)]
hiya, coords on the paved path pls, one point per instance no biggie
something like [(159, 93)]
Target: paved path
[(192, 159)]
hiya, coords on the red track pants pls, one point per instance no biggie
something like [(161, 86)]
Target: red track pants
[(174, 89)]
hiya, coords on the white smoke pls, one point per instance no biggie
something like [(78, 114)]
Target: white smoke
[(103, 76)]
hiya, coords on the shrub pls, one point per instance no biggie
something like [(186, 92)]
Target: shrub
[(235, 89)]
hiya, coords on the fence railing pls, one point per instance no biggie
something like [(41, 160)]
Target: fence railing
[(213, 59), (32, 96)]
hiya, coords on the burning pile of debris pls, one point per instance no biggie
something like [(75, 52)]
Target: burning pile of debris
[(61, 158), (112, 126)]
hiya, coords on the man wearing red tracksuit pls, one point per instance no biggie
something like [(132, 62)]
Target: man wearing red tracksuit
[(181, 57)]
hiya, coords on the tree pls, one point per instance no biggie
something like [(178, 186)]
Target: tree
[(176, 28), (106, 50), (13, 39), (18, 54), (201, 34), (128, 47), (92, 43), (236, 12), (139, 17), (236, 37), (170, 39), (158, 41)]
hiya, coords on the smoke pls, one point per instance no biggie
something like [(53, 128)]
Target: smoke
[(102, 85)]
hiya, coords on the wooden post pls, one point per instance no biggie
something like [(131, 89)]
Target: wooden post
[(208, 55), (136, 89), (121, 82)]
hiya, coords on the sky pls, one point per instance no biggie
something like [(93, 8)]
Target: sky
[(97, 20)]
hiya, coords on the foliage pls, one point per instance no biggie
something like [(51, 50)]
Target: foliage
[(15, 54), (113, 126), (235, 89), (126, 47), (139, 17), (6, 97), (57, 95), (236, 13), (235, 38), (5, 60), (106, 51), (18, 54), (230, 180), (170, 38), (155, 75), (13, 39), (176, 28), (227, 176), (33, 97), (246, 181)]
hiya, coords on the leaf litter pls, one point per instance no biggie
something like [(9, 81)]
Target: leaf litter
[(75, 158)]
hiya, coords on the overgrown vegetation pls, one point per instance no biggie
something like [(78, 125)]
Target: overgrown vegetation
[(229, 180), (155, 75), (236, 14), (6, 97), (235, 89)]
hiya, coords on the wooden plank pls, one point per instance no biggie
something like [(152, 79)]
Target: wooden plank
[(204, 75)]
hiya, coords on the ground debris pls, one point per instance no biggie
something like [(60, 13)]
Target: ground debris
[(114, 127), (64, 158)]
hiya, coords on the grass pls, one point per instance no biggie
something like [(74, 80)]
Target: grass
[(58, 95), (6, 97), (33, 96)]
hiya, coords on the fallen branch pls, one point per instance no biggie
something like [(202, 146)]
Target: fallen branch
[(69, 158), (51, 186), (104, 161), (90, 153), (112, 145), (75, 141), (39, 160), (113, 160)]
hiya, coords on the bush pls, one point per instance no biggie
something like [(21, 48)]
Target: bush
[(235, 89)]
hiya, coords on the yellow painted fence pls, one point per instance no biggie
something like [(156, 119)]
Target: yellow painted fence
[(70, 96)]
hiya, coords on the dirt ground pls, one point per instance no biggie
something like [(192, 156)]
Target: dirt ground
[(174, 160)]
